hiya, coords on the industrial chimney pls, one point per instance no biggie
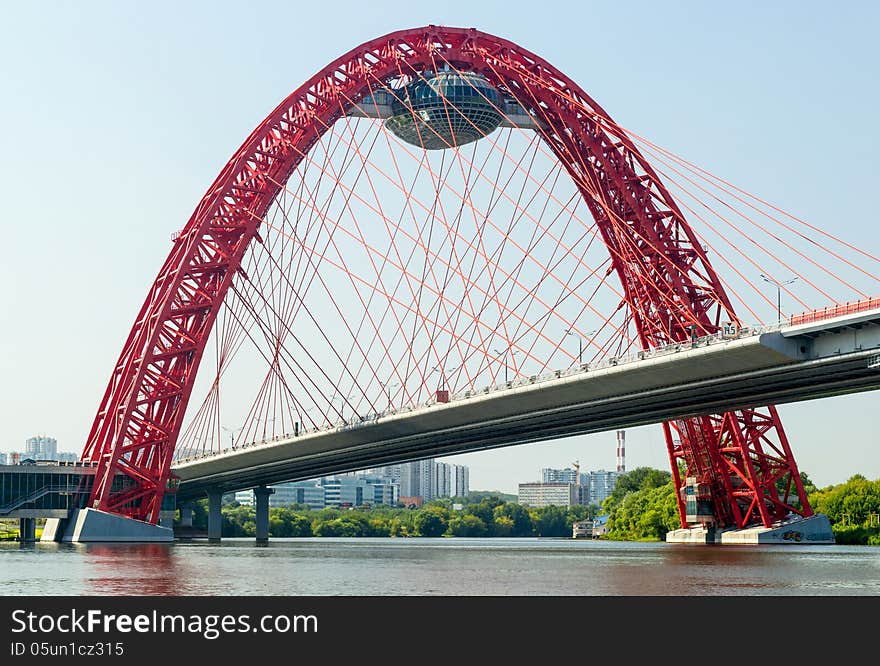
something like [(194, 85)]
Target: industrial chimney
[(621, 450)]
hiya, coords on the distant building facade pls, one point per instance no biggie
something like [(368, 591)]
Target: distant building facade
[(336, 491), (388, 485), (549, 475), (41, 448), (430, 479), (3, 459), (539, 495), (297, 492), (459, 481), (601, 485)]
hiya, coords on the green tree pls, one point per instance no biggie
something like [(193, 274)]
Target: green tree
[(401, 526), (477, 496), (502, 526), (518, 515), (283, 522), (431, 521), (552, 521), (485, 511), (645, 515), (380, 527), (853, 509), (467, 525), (641, 478)]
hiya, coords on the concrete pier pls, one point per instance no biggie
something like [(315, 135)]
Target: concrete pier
[(186, 514), (27, 530), (91, 525), (215, 517), (261, 503), (813, 530)]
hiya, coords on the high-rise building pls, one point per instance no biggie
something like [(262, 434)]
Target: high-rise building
[(417, 479), (41, 448), (459, 480), (388, 472), (440, 479), (549, 475), (429, 479), (601, 485)]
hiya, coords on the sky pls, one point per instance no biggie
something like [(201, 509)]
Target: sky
[(116, 116)]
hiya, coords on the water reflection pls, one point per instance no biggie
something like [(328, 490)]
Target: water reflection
[(436, 566), (116, 568)]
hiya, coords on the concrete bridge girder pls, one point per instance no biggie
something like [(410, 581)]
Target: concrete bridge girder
[(800, 362)]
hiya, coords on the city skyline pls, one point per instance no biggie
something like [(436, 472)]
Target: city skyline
[(747, 114)]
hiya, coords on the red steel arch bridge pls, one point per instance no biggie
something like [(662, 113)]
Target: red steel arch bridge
[(437, 211)]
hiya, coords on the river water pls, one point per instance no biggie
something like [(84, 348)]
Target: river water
[(326, 566)]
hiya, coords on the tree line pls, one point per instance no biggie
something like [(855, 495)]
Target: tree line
[(642, 507), (481, 516)]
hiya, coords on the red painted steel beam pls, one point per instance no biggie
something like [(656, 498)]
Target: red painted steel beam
[(668, 282)]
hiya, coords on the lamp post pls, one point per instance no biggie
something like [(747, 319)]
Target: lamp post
[(443, 372), (442, 395), (504, 355), (388, 388), (571, 331), (232, 433), (779, 286), (343, 401), (580, 346)]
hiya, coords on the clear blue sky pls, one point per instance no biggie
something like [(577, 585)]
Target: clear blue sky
[(116, 116)]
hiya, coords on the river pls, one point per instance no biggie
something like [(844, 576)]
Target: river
[(327, 566)]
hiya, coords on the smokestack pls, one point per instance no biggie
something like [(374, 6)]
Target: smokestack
[(621, 450)]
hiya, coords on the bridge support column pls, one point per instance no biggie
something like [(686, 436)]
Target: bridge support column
[(27, 530), (261, 502), (215, 517), (186, 514)]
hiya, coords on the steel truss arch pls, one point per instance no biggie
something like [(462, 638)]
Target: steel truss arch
[(669, 284)]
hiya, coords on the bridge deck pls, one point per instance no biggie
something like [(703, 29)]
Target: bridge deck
[(709, 376)]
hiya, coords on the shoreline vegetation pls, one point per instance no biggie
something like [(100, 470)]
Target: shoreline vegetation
[(641, 508)]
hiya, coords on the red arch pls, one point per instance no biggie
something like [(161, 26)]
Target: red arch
[(669, 284)]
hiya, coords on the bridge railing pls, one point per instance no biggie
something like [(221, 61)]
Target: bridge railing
[(836, 311), (367, 419)]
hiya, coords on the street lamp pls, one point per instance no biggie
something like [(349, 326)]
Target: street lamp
[(342, 400), (581, 343), (779, 286), (388, 388), (232, 433), (443, 373), (504, 355), (442, 395)]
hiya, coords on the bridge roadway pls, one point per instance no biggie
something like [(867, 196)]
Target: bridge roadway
[(770, 366)]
